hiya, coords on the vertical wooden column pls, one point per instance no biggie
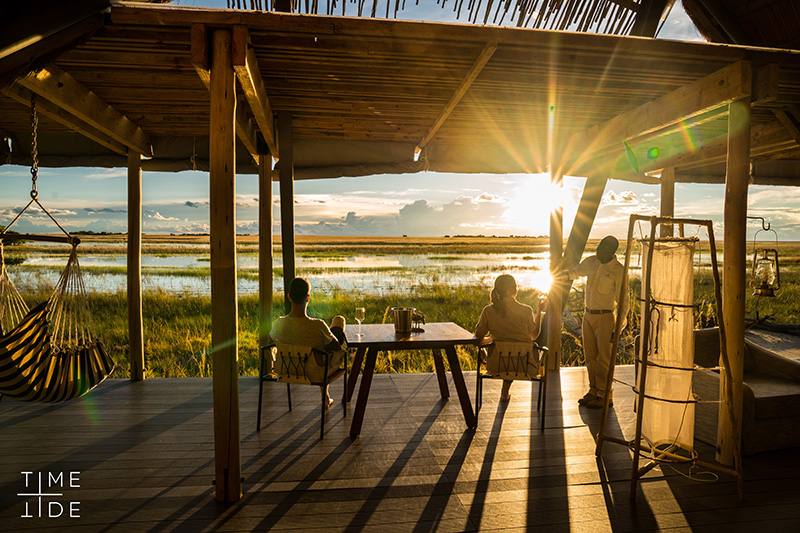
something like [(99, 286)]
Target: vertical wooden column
[(555, 298), (667, 200), (286, 177), (734, 279), (264, 251), (224, 309), (135, 328)]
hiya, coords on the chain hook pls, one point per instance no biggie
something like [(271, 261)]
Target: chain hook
[(34, 147)]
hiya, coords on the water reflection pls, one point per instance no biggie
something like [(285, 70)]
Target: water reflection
[(375, 274)]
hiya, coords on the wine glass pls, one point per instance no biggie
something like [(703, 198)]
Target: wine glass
[(361, 314)]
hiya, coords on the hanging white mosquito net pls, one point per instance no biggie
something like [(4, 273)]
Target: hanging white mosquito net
[(668, 412)]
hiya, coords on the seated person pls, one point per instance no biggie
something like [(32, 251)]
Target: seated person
[(508, 320), (299, 328)]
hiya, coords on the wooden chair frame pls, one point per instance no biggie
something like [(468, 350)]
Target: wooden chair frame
[(330, 377), (541, 378)]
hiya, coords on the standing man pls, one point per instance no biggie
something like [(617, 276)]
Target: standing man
[(603, 279)]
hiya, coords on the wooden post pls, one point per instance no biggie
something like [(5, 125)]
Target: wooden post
[(264, 252), (734, 279), (135, 328), (224, 309), (286, 176), (667, 200), (556, 297), (584, 218)]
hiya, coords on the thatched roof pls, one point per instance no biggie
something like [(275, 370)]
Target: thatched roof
[(616, 17), (771, 23)]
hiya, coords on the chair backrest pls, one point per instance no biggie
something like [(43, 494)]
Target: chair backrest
[(513, 360), (293, 363)]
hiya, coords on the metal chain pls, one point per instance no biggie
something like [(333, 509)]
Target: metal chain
[(34, 147)]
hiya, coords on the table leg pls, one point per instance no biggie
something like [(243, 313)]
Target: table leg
[(363, 392), (461, 387), (354, 370), (438, 364)]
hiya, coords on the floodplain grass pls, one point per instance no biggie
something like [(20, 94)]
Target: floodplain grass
[(178, 326)]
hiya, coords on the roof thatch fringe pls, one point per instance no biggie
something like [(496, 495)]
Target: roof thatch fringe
[(598, 16)]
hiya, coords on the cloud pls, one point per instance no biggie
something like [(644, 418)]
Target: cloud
[(104, 210), (158, 216), (196, 205), (108, 173), (463, 215), (623, 198)]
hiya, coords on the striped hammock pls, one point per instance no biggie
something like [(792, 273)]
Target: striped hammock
[(49, 354)]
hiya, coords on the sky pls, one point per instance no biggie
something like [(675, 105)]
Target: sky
[(423, 204)]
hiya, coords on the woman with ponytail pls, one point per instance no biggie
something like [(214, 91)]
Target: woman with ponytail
[(508, 320)]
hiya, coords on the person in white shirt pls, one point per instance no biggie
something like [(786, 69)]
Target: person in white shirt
[(299, 328), (604, 274), (508, 320)]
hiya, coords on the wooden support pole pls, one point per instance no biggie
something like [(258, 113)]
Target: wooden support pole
[(734, 279), (584, 218), (135, 328), (224, 309), (667, 199), (556, 297), (264, 252), (286, 177)]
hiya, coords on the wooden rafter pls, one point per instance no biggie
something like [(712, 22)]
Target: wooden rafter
[(50, 110), (463, 87), (678, 107), (67, 93), (245, 65), (39, 49), (765, 140), (790, 125), (245, 130)]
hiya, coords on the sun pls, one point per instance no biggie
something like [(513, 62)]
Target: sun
[(532, 199)]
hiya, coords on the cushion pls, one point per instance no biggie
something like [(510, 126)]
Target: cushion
[(774, 397)]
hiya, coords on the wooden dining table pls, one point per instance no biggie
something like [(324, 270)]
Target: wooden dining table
[(436, 336)]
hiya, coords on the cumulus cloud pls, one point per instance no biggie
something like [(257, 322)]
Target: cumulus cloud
[(623, 198), (464, 214), (158, 216), (196, 205)]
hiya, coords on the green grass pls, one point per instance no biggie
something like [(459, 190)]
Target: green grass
[(177, 327)]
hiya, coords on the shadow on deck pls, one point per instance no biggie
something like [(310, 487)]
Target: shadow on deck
[(144, 453)]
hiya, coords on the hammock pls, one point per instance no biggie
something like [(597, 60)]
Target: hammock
[(49, 355)]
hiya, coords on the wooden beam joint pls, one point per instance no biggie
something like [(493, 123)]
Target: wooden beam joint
[(245, 64), (65, 92)]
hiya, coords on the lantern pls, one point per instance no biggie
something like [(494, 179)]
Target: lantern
[(766, 275)]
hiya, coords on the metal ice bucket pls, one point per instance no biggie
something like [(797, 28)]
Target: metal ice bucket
[(403, 319)]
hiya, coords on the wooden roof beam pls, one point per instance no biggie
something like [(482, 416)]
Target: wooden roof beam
[(50, 110), (766, 140), (463, 87), (66, 92), (245, 64), (716, 90), (199, 57), (790, 125)]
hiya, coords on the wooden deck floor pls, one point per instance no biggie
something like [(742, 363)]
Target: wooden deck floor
[(145, 450)]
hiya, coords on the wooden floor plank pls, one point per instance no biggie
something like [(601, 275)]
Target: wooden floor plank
[(145, 456)]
